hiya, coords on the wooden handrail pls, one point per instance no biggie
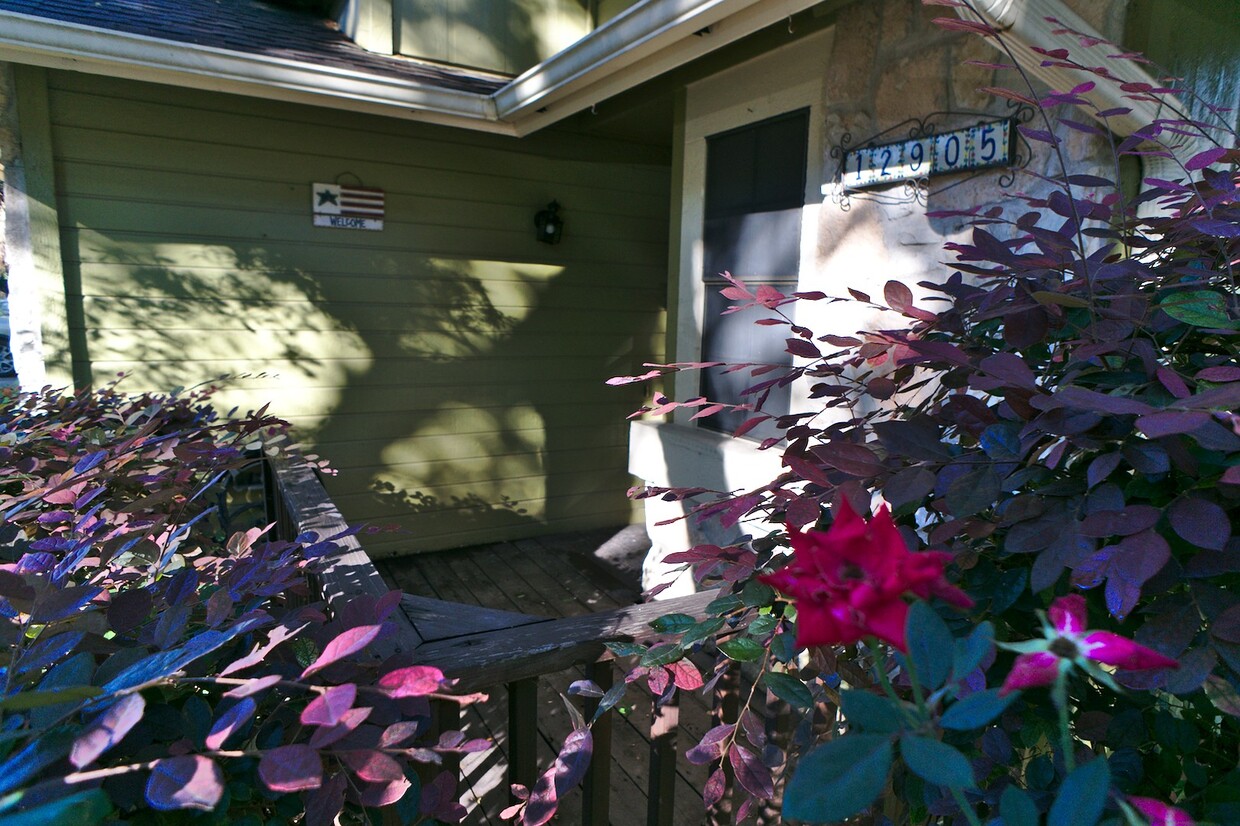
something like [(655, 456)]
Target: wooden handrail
[(482, 647)]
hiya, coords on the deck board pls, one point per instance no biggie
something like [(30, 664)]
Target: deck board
[(552, 577)]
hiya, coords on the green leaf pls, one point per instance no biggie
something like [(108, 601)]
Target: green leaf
[(789, 689), (870, 712), (626, 649), (81, 809), (742, 649), (930, 644), (1017, 809), (971, 650), (1223, 694), (756, 594), (724, 604), (702, 630), (1200, 308), (1082, 796), (37, 698), (838, 779), (662, 655), (673, 623), (763, 625), (936, 762), (976, 710), (783, 646)]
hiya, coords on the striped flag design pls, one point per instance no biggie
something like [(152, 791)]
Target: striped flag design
[(349, 201)]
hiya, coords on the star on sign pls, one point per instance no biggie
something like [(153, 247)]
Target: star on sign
[(326, 196)]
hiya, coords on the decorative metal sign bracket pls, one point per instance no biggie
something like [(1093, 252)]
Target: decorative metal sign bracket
[(895, 165)]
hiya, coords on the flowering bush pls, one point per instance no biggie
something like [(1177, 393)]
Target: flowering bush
[(1059, 432), (151, 663)]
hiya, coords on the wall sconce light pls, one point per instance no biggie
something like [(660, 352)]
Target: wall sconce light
[(550, 224)]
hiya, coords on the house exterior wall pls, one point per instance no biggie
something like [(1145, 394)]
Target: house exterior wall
[(450, 366), (507, 36), (880, 64)]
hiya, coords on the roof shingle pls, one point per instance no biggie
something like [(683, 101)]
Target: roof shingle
[(249, 27)]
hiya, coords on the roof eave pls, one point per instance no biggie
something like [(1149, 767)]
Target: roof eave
[(56, 44)]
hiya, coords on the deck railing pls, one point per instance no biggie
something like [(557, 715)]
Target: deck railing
[(484, 649)]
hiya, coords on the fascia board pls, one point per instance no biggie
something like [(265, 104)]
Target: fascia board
[(640, 31), (605, 80), (55, 44)]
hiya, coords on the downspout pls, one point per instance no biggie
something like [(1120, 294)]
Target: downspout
[(1024, 24)]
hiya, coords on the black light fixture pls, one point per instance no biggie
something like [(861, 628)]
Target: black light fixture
[(550, 224)]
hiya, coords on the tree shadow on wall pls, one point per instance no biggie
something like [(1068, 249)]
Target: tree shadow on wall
[(459, 400)]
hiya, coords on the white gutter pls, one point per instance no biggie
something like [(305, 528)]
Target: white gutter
[(640, 31), (646, 41), (55, 44)]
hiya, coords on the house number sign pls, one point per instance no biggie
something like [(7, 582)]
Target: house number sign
[(973, 147)]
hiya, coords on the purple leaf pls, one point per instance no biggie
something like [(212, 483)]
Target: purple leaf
[(292, 768), (129, 609), (253, 686), (60, 603), (107, 730), (752, 775), (853, 459), (1172, 381), (372, 766), (565, 773), (345, 645), (1200, 522), (1219, 374), (585, 688), (349, 721), (1102, 467), (414, 681), (398, 733), (283, 632), (1171, 423), (327, 708), (190, 781), (1123, 522), (715, 786), (49, 649), (439, 799), (227, 723), (378, 795), (324, 804), (1082, 399), (90, 461), (1125, 566), (801, 347), (712, 746), (1203, 159)]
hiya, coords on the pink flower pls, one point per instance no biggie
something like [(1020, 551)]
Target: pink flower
[(1067, 642), (1159, 813), (850, 581)]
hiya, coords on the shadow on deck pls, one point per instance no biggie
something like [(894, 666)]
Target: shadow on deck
[(567, 575)]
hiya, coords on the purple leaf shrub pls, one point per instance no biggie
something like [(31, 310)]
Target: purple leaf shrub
[(154, 660)]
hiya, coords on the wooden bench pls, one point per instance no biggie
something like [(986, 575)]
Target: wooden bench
[(484, 648)]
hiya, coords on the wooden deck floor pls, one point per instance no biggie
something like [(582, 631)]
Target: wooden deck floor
[(554, 576)]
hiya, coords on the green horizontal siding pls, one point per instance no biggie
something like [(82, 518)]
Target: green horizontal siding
[(450, 366)]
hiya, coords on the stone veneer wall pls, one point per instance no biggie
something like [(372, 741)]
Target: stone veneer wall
[(889, 63)]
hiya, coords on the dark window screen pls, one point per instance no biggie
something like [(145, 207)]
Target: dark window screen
[(755, 189)]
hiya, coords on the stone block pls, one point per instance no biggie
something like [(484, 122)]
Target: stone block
[(966, 79), (853, 55), (912, 87)]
